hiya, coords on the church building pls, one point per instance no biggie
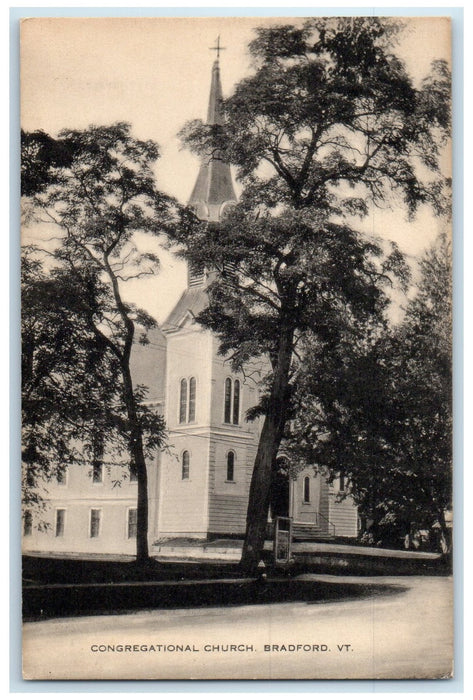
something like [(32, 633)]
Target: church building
[(199, 486)]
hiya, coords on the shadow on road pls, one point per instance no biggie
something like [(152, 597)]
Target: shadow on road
[(41, 602)]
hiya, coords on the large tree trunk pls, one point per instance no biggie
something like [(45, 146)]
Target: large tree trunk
[(137, 455), (270, 439), (136, 434)]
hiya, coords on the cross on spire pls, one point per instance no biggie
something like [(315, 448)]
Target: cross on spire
[(217, 47)]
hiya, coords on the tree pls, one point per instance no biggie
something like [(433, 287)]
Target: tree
[(41, 156), (328, 123), (423, 374), (380, 407), (98, 201), (69, 378)]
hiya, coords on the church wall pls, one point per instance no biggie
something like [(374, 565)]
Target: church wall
[(183, 501), (227, 514), (342, 513), (188, 355), (221, 369), (302, 511), (148, 364), (228, 500)]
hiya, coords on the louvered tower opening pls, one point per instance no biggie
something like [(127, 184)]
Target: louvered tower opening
[(196, 276)]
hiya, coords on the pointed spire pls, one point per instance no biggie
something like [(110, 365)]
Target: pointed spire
[(214, 112), (214, 187)]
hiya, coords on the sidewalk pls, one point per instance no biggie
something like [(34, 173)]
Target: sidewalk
[(230, 550)]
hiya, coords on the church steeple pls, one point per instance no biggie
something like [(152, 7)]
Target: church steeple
[(213, 190)]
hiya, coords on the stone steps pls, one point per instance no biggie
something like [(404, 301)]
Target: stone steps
[(310, 533)]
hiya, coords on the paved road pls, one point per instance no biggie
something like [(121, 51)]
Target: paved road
[(403, 632)]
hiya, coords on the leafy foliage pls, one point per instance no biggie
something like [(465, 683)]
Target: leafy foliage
[(97, 201), (378, 406), (330, 105), (328, 125), (69, 377)]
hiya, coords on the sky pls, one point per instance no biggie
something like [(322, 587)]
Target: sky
[(155, 74)]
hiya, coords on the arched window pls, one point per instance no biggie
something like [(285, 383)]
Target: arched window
[(231, 466), (228, 401), (232, 401), (187, 400), (185, 464), (191, 399), (183, 402), (236, 401), (307, 489)]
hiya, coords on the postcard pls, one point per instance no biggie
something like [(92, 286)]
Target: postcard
[(236, 348)]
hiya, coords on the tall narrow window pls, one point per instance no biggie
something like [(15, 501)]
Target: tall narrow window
[(236, 401), (185, 464), (307, 489), (97, 472), (187, 400), (342, 482), (232, 401), (231, 466), (133, 472), (228, 401), (61, 476), (183, 402), (132, 522), (192, 399), (60, 520), (27, 523), (95, 522)]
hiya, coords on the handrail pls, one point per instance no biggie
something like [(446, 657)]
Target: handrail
[(329, 522)]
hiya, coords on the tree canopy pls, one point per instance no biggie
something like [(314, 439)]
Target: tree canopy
[(379, 408), (328, 125), (330, 104), (96, 202), (68, 378)]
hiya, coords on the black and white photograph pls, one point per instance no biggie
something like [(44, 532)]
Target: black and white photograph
[(236, 348)]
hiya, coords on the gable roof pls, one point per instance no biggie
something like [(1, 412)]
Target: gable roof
[(192, 301)]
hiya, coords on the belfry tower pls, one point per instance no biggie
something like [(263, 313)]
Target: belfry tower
[(204, 481)]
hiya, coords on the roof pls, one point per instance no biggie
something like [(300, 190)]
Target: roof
[(193, 301)]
